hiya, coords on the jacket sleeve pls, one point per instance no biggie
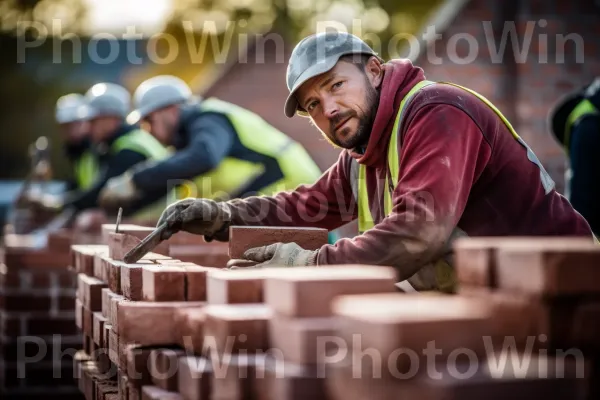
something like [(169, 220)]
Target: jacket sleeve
[(328, 203), (116, 166), (211, 138), (443, 153)]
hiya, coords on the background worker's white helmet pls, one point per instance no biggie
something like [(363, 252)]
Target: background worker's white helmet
[(71, 108), (107, 99), (158, 92)]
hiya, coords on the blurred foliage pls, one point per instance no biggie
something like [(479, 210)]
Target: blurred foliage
[(28, 99)]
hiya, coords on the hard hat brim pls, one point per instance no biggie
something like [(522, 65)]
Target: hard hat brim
[(291, 103)]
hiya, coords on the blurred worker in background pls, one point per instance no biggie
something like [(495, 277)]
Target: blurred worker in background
[(575, 122), (119, 146), (227, 151), (75, 128), (423, 163)]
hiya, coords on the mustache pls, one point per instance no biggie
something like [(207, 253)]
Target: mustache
[(335, 120)]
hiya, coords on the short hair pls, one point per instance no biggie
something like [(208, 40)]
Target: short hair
[(360, 60)]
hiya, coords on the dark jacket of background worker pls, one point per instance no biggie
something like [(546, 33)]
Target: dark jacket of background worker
[(117, 145), (221, 150), (576, 124), (74, 127)]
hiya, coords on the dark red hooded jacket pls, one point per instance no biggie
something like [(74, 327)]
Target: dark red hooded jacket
[(459, 166)]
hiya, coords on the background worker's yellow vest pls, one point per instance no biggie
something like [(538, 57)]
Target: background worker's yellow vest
[(257, 135), (444, 272), (86, 170), (144, 143)]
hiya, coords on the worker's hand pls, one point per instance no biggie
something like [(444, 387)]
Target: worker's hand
[(198, 216), (118, 191), (277, 255)]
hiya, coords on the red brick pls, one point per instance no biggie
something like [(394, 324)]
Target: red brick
[(92, 291), (115, 301), (123, 385), (387, 322), (237, 328), (131, 281), (84, 257), (98, 330), (67, 279), (276, 380), (190, 327), (149, 323), (550, 267), (39, 326), (112, 396), (106, 336), (27, 302), (104, 388), (155, 393), (105, 262), (194, 376), (297, 338), (9, 279), (114, 347), (195, 280), (79, 314), (235, 378), (235, 286), (162, 283), (138, 365), (119, 244), (88, 322), (308, 291), (242, 238), (214, 254), (40, 279), (164, 366), (133, 392), (114, 276)]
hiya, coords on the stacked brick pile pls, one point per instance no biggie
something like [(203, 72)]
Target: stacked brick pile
[(37, 321), (174, 330)]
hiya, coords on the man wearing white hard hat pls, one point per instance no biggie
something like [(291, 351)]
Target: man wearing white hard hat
[(222, 150), (74, 127), (119, 147)]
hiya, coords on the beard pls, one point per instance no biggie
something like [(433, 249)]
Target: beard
[(365, 122)]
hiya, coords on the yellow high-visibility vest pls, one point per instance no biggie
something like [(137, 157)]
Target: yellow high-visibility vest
[(444, 272)]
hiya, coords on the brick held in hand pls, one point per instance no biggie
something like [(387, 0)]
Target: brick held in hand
[(155, 393), (278, 380), (194, 377), (387, 322), (550, 267), (235, 328), (298, 338), (164, 365), (242, 238), (163, 283), (236, 286), (149, 323), (308, 291), (190, 326)]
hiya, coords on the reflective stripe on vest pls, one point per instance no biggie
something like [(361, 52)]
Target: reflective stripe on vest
[(86, 170), (584, 108), (443, 271), (259, 136)]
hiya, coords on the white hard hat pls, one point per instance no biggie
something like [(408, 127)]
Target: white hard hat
[(156, 93), (107, 99), (70, 108)]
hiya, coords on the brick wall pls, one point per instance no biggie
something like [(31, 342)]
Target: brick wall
[(38, 334), (524, 88)]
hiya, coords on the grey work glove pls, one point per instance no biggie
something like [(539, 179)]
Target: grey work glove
[(277, 255), (198, 216)]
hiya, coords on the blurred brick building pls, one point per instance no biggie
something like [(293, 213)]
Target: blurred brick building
[(523, 84)]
